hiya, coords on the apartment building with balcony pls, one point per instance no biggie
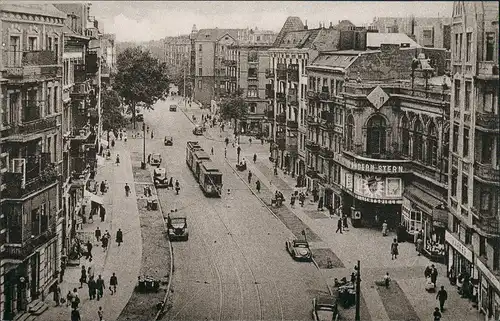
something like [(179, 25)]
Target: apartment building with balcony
[(177, 50), (30, 151), (473, 235), (343, 153)]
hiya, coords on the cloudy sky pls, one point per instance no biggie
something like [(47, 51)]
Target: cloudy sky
[(153, 20)]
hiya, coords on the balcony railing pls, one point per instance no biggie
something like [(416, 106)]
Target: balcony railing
[(324, 95), (487, 120), (312, 146), (293, 72), (45, 177), (269, 94), (487, 224), (488, 70), (22, 251), (31, 110), (292, 97), (280, 96), (80, 89), (326, 153), (292, 124), (81, 133), (312, 95), (281, 71), (38, 125), (312, 120), (39, 58), (269, 73), (486, 172), (281, 118)]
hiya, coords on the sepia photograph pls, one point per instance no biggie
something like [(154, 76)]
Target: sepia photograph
[(249, 161)]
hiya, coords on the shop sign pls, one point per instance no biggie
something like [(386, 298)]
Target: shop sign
[(484, 269), (369, 166), (457, 245)]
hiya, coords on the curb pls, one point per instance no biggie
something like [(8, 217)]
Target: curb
[(267, 207), (170, 276)]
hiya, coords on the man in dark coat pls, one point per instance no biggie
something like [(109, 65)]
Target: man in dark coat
[(89, 249), (257, 186), (177, 187), (103, 187), (442, 296), (100, 286), (113, 282), (92, 288), (119, 236), (102, 213), (434, 274), (97, 234), (75, 315), (339, 226)]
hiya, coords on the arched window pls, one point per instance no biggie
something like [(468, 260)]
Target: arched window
[(418, 141), (432, 145), (405, 136), (375, 142), (350, 133)]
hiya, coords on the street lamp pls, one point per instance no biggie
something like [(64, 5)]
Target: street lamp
[(143, 164), (358, 291)]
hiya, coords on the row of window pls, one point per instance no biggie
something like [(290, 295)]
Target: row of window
[(31, 105), (488, 52), (330, 85), (32, 44)]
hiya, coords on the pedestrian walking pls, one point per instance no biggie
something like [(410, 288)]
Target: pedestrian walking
[(75, 315), (69, 297), (100, 314), (302, 199), (344, 222), (149, 158), (254, 158), (127, 189), (89, 250), (434, 274), (384, 228), (250, 140), (61, 272), (437, 315), (226, 141), (212, 150), (225, 152), (103, 188), (112, 143), (119, 236), (442, 296), (419, 246), (257, 186), (100, 286), (56, 289), (92, 288), (117, 159), (113, 282), (275, 171), (249, 177), (83, 276), (90, 270), (104, 241), (292, 200), (102, 213), (339, 226), (75, 299), (152, 134), (394, 249), (387, 280), (177, 187)]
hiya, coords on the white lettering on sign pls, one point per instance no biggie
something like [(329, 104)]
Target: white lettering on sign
[(488, 274), (457, 245)]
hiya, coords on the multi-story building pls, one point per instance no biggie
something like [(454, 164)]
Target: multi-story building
[(30, 151), (427, 32), (177, 50), (294, 48), (473, 235), (108, 61), (209, 47)]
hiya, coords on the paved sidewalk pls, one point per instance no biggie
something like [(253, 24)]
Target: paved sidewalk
[(124, 260)]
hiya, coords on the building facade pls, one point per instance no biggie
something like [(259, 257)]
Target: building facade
[(473, 235), (177, 50), (31, 64)]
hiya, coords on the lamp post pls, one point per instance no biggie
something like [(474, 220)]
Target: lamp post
[(143, 165), (358, 292)]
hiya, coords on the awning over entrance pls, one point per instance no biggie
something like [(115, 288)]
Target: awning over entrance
[(432, 205), (94, 198)]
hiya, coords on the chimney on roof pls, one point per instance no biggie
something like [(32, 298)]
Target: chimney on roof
[(305, 26), (331, 25)]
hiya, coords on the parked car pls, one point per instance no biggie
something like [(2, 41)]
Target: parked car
[(325, 308), (178, 229), (173, 108), (299, 250), (168, 141), (139, 116), (198, 130), (156, 160), (160, 177)]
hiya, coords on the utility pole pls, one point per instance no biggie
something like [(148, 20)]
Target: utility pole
[(185, 96), (358, 292), (143, 165)]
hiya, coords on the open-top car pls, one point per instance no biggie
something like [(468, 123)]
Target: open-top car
[(160, 177), (325, 308), (168, 141), (177, 228), (155, 160), (299, 250), (173, 108)]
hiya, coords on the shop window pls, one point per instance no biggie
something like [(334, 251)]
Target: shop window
[(376, 131), (418, 141), (465, 189), (432, 145), (350, 133), (405, 136)]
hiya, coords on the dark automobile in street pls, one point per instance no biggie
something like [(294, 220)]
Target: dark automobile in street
[(156, 160), (172, 108), (325, 308), (198, 130), (178, 229), (160, 179), (168, 141), (299, 250)]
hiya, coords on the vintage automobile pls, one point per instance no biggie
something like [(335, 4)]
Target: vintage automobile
[(160, 177), (155, 160), (168, 141), (299, 250), (177, 229), (325, 308), (198, 130), (138, 115), (172, 108)]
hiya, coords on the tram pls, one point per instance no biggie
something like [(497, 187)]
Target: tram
[(204, 170)]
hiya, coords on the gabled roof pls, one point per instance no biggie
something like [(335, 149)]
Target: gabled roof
[(216, 34), (319, 39), (374, 40), (335, 60), (291, 24), (47, 10)]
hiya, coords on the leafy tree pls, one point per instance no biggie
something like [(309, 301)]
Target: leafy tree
[(177, 74), (234, 107), (141, 79), (112, 116)]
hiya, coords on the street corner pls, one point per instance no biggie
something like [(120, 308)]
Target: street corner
[(326, 259)]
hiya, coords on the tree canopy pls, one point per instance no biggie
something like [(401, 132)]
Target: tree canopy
[(112, 116), (233, 108), (177, 75), (141, 79)]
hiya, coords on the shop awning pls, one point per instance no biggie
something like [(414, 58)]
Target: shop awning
[(429, 203), (94, 198)]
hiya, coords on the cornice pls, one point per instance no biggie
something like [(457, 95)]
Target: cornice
[(29, 17)]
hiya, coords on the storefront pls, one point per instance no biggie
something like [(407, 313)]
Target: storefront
[(425, 214), (460, 257), (489, 292)]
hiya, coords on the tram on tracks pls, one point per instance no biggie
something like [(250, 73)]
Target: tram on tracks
[(206, 173)]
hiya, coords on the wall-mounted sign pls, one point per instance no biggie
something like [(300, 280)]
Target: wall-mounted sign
[(457, 245), (484, 269), (372, 188), (370, 166), (377, 97)]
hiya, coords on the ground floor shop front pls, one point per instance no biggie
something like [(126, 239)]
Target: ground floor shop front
[(489, 292)]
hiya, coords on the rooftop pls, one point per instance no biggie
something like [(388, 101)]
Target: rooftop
[(374, 40), (216, 34), (47, 10)]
